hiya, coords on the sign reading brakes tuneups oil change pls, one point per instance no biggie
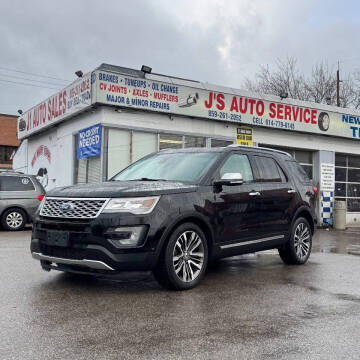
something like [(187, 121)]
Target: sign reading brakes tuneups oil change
[(196, 101)]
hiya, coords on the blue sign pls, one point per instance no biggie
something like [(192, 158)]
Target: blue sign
[(89, 142)]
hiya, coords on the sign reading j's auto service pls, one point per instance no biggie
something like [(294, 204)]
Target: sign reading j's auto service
[(66, 102), (193, 99)]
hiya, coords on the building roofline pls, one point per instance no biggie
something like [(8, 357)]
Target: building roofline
[(10, 115)]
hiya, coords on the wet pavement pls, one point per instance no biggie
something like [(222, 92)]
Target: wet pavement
[(249, 307)]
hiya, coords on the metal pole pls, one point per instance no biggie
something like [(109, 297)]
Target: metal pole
[(338, 86)]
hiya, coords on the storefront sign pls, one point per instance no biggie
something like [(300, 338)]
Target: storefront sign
[(327, 177), (244, 135), (89, 142), (65, 103), (191, 99)]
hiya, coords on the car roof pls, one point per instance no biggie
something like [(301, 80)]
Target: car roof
[(229, 148), (13, 173)]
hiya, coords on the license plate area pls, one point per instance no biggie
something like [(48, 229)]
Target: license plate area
[(57, 238)]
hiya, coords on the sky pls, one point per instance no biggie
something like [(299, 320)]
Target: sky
[(220, 42)]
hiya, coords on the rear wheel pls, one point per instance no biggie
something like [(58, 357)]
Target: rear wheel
[(13, 219), (297, 250), (184, 259)]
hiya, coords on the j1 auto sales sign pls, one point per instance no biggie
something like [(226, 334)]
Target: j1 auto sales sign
[(72, 99)]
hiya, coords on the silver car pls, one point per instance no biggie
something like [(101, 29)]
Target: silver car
[(20, 196)]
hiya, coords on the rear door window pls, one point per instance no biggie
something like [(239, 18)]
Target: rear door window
[(298, 172), (16, 183), (238, 163), (268, 169)]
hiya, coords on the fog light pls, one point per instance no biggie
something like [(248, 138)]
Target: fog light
[(126, 236)]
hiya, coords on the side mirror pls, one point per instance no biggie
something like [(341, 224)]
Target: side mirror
[(230, 179)]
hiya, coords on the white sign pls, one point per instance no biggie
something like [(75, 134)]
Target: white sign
[(327, 177), (222, 104), (65, 103)]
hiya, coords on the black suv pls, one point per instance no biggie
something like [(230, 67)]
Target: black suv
[(173, 211)]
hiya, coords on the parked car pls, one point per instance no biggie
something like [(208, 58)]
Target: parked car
[(173, 211), (20, 196)]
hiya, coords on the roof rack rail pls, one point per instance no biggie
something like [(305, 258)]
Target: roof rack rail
[(259, 147)]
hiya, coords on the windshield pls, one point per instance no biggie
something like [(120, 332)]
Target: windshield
[(181, 166)]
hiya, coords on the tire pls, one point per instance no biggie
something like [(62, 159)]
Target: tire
[(184, 258), (13, 219), (297, 250)]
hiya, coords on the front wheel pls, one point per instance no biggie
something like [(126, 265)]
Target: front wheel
[(297, 250), (184, 259)]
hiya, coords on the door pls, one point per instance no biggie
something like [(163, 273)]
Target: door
[(237, 206), (277, 196)]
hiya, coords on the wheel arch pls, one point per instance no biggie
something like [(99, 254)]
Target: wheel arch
[(304, 212), (189, 218)]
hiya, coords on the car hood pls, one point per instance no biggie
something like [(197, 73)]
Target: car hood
[(122, 189)]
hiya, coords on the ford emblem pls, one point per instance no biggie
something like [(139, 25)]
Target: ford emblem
[(65, 207)]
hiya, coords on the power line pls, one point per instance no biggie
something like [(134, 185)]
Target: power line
[(28, 73), (39, 81), (20, 83)]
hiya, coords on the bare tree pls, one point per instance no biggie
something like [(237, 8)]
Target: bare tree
[(319, 87)]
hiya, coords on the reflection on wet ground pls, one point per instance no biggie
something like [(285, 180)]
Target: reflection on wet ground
[(340, 242), (247, 307)]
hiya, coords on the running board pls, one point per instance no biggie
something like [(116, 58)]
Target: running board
[(244, 243), (92, 264)]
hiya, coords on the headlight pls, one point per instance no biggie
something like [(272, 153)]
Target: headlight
[(139, 205)]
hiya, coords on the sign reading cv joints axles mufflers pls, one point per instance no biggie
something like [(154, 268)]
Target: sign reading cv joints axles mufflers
[(244, 136)]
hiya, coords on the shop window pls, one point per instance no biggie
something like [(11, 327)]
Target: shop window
[(340, 160), (340, 189), (6, 153), (118, 151), (303, 157), (170, 141), (88, 170), (220, 143), (347, 176), (143, 144), (193, 141)]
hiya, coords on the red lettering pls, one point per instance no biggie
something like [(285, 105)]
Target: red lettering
[(307, 118), (64, 102), (220, 99), (260, 108), (241, 107), (280, 109), (252, 103), (301, 115), (208, 103), (60, 104), (287, 112), (295, 112), (234, 104), (313, 116), (272, 110)]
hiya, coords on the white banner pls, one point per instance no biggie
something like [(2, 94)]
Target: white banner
[(292, 115)]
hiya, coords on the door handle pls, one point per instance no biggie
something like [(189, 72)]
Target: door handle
[(290, 191), (254, 193)]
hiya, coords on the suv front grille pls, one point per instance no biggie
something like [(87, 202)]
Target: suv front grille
[(71, 208)]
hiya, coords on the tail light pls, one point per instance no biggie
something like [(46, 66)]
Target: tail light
[(315, 190), (41, 197)]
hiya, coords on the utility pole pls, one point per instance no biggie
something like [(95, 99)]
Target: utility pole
[(338, 85)]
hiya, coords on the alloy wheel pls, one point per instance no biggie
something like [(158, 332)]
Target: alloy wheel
[(14, 220), (302, 239), (188, 256)]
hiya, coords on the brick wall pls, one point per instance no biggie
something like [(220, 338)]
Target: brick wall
[(8, 128)]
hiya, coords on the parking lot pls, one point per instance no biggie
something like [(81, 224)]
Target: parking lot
[(249, 307)]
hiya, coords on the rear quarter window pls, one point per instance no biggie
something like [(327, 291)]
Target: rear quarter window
[(16, 183), (297, 171)]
